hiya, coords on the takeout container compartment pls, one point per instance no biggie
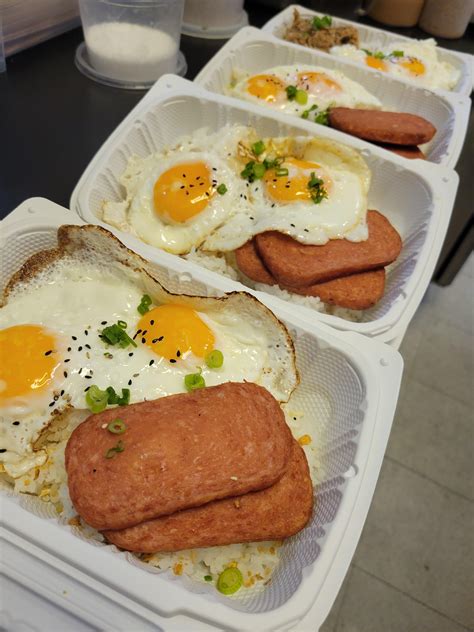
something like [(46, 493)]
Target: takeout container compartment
[(371, 37), (349, 387), (416, 196), (252, 51)]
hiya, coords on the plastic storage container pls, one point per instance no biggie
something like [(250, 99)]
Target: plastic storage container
[(373, 37), (130, 43), (252, 51), (416, 196), (349, 388), (213, 19)]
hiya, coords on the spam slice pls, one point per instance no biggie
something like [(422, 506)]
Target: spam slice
[(398, 128), (271, 514), (407, 151), (356, 291), (250, 263), (299, 265), (176, 452)]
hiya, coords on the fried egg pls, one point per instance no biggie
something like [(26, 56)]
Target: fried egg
[(174, 201), (284, 200), (322, 88), (415, 61), (53, 348)]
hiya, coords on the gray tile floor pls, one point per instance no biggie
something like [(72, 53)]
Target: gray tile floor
[(413, 570)]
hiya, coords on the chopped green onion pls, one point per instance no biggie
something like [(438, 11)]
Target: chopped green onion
[(113, 398), (282, 171), (317, 190), (96, 399), (221, 189), (322, 118), (193, 381), (376, 54), (116, 335), (307, 112), (229, 581), (115, 450), (116, 427), (397, 53), (208, 578), (291, 92), (258, 147), (247, 173), (259, 170), (301, 97), (321, 23), (215, 359), (144, 306)]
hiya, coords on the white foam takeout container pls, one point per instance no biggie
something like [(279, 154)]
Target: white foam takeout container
[(416, 196), (349, 386), (253, 51), (372, 37)]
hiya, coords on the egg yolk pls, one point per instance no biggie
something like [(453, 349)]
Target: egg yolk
[(173, 330), (414, 66), (183, 191), (294, 186), (266, 87), (28, 360), (317, 83), (376, 63)]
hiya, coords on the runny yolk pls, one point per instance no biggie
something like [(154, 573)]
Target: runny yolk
[(28, 360), (414, 66), (183, 191), (172, 330), (376, 63), (317, 82), (266, 87), (294, 186)]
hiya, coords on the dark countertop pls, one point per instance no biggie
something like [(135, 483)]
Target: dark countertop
[(53, 119)]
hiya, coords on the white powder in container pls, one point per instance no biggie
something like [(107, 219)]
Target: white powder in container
[(130, 52)]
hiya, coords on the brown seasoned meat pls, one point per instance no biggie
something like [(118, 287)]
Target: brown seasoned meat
[(271, 514), (407, 151), (298, 265), (179, 451), (356, 291), (251, 264), (397, 128), (302, 32)]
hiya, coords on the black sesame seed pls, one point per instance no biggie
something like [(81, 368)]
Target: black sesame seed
[(143, 340), (88, 347), (51, 404), (144, 332), (151, 363), (104, 322), (294, 418), (182, 186), (62, 392), (88, 377), (67, 360), (160, 338), (94, 470), (86, 332), (184, 175), (292, 225), (65, 373), (80, 370), (129, 382), (191, 186), (69, 348), (173, 361), (251, 218), (136, 375), (154, 341), (152, 322), (79, 348), (47, 353), (130, 354), (2, 450), (16, 423), (187, 192), (178, 353), (74, 337), (86, 389), (306, 230)]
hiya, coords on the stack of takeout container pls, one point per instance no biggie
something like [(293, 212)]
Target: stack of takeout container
[(349, 376)]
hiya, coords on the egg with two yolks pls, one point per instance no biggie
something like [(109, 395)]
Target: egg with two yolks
[(53, 351), (323, 87)]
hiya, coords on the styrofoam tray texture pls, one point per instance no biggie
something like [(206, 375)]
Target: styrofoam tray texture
[(398, 190), (333, 392), (371, 37), (252, 51)]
